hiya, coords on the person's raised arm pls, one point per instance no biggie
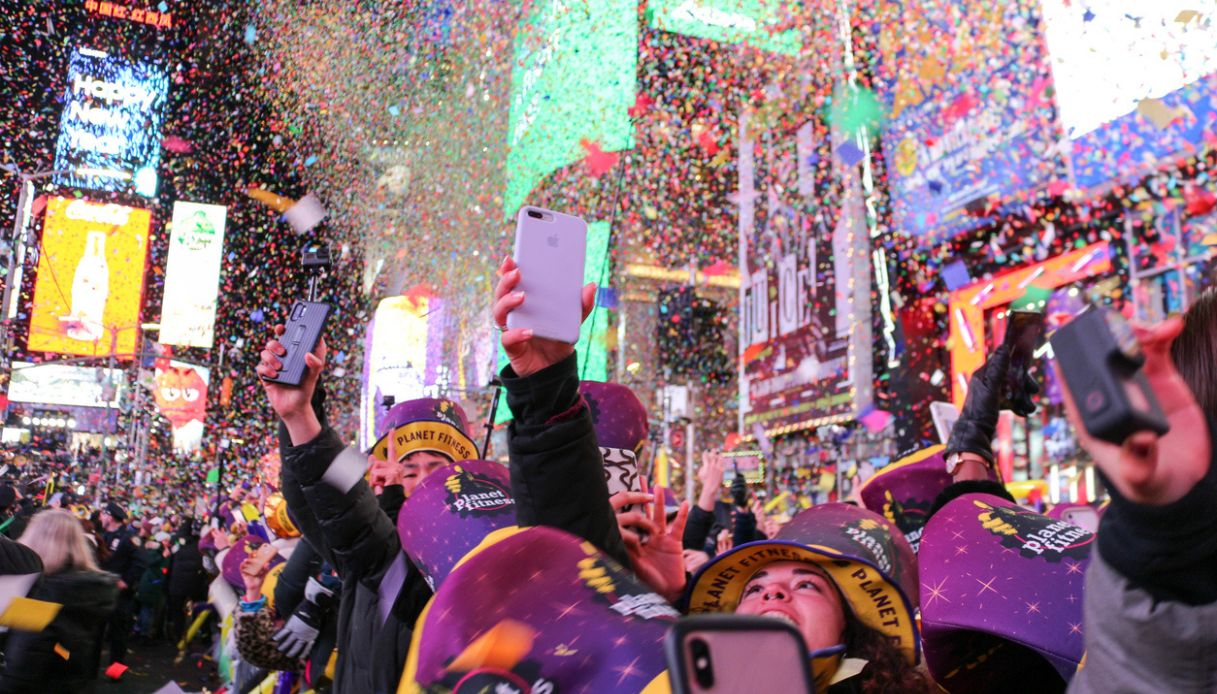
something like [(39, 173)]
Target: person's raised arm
[(557, 473)]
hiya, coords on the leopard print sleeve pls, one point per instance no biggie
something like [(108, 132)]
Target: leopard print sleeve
[(254, 643)]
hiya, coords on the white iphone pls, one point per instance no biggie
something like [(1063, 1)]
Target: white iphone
[(550, 251)]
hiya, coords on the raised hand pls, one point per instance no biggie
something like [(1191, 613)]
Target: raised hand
[(293, 404), (711, 475), (529, 354), (659, 559), (1148, 469)]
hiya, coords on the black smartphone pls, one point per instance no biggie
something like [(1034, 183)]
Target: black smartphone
[(1101, 361), (737, 654), (1024, 335), (304, 328)]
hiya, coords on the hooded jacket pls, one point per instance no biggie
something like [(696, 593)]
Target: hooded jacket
[(357, 535), (65, 656)]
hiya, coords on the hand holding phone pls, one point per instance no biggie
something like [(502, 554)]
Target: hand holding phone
[(1146, 468), (1024, 335), (550, 251), (1101, 361), (528, 350)]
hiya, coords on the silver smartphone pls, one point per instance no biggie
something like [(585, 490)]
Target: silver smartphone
[(550, 251)]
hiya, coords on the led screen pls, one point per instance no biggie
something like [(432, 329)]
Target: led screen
[(110, 132), (90, 279), (192, 275)]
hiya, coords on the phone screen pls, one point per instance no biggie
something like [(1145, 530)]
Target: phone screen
[(1024, 334)]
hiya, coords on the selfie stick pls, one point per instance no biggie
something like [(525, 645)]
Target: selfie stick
[(494, 408)]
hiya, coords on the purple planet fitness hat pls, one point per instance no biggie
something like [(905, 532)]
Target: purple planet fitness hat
[(429, 425), (621, 427), (866, 556), (904, 491), (540, 611), (1001, 594), (455, 510), (230, 568)]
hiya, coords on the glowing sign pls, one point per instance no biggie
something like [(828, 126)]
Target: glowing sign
[(61, 384), (573, 80), (756, 23), (192, 275), (403, 356), (90, 278), (968, 304), (138, 15), (181, 396), (109, 137)]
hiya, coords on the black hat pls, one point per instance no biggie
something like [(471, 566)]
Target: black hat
[(116, 511)]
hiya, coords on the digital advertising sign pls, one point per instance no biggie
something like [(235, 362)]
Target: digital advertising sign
[(970, 111), (63, 384), (192, 275), (1133, 88), (573, 80), (180, 392), (404, 356), (110, 132), (805, 337), (90, 280), (751, 22)]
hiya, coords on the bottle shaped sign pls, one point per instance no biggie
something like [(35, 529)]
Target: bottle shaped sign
[(90, 289)]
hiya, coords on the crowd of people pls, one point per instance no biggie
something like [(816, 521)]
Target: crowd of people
[(417, 566)]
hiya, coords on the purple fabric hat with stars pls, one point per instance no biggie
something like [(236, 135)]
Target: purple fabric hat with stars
[(540, 611), (1001, 595), (433, 425), (451, 512), (904, 491), (621, 431), (239, 552)]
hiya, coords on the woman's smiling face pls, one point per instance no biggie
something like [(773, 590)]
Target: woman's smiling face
[(801, 594)]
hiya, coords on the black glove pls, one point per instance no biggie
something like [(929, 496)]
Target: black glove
[(739, 490), (988, 392), (296, 637)]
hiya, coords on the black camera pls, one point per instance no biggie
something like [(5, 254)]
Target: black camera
[(1101, 361)]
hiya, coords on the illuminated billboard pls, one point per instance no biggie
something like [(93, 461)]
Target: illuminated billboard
[(181, 396), (90, 278), (1133, 88), (61, 384), (192, 275), (110, 132), (971, 124), (761, 24), (404, 356), (572, 80)]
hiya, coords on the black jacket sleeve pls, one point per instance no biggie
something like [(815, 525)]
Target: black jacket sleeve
[(1168, 551), (697, 528), (289, 591), (293, 492), (557, 474), (362, 540)]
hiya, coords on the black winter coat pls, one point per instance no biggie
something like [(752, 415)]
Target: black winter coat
[(557, 473), (359, 539), (31, 660), (187, 579)]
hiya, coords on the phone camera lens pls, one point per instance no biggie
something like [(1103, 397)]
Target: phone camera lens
[(703, 669), (535, 215)]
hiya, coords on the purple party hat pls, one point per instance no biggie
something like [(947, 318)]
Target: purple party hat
[(866, 556), (452, 512), (904, 491), (230, 567), (621, 427), (1001, 594), (429, 425), (540, 611)]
